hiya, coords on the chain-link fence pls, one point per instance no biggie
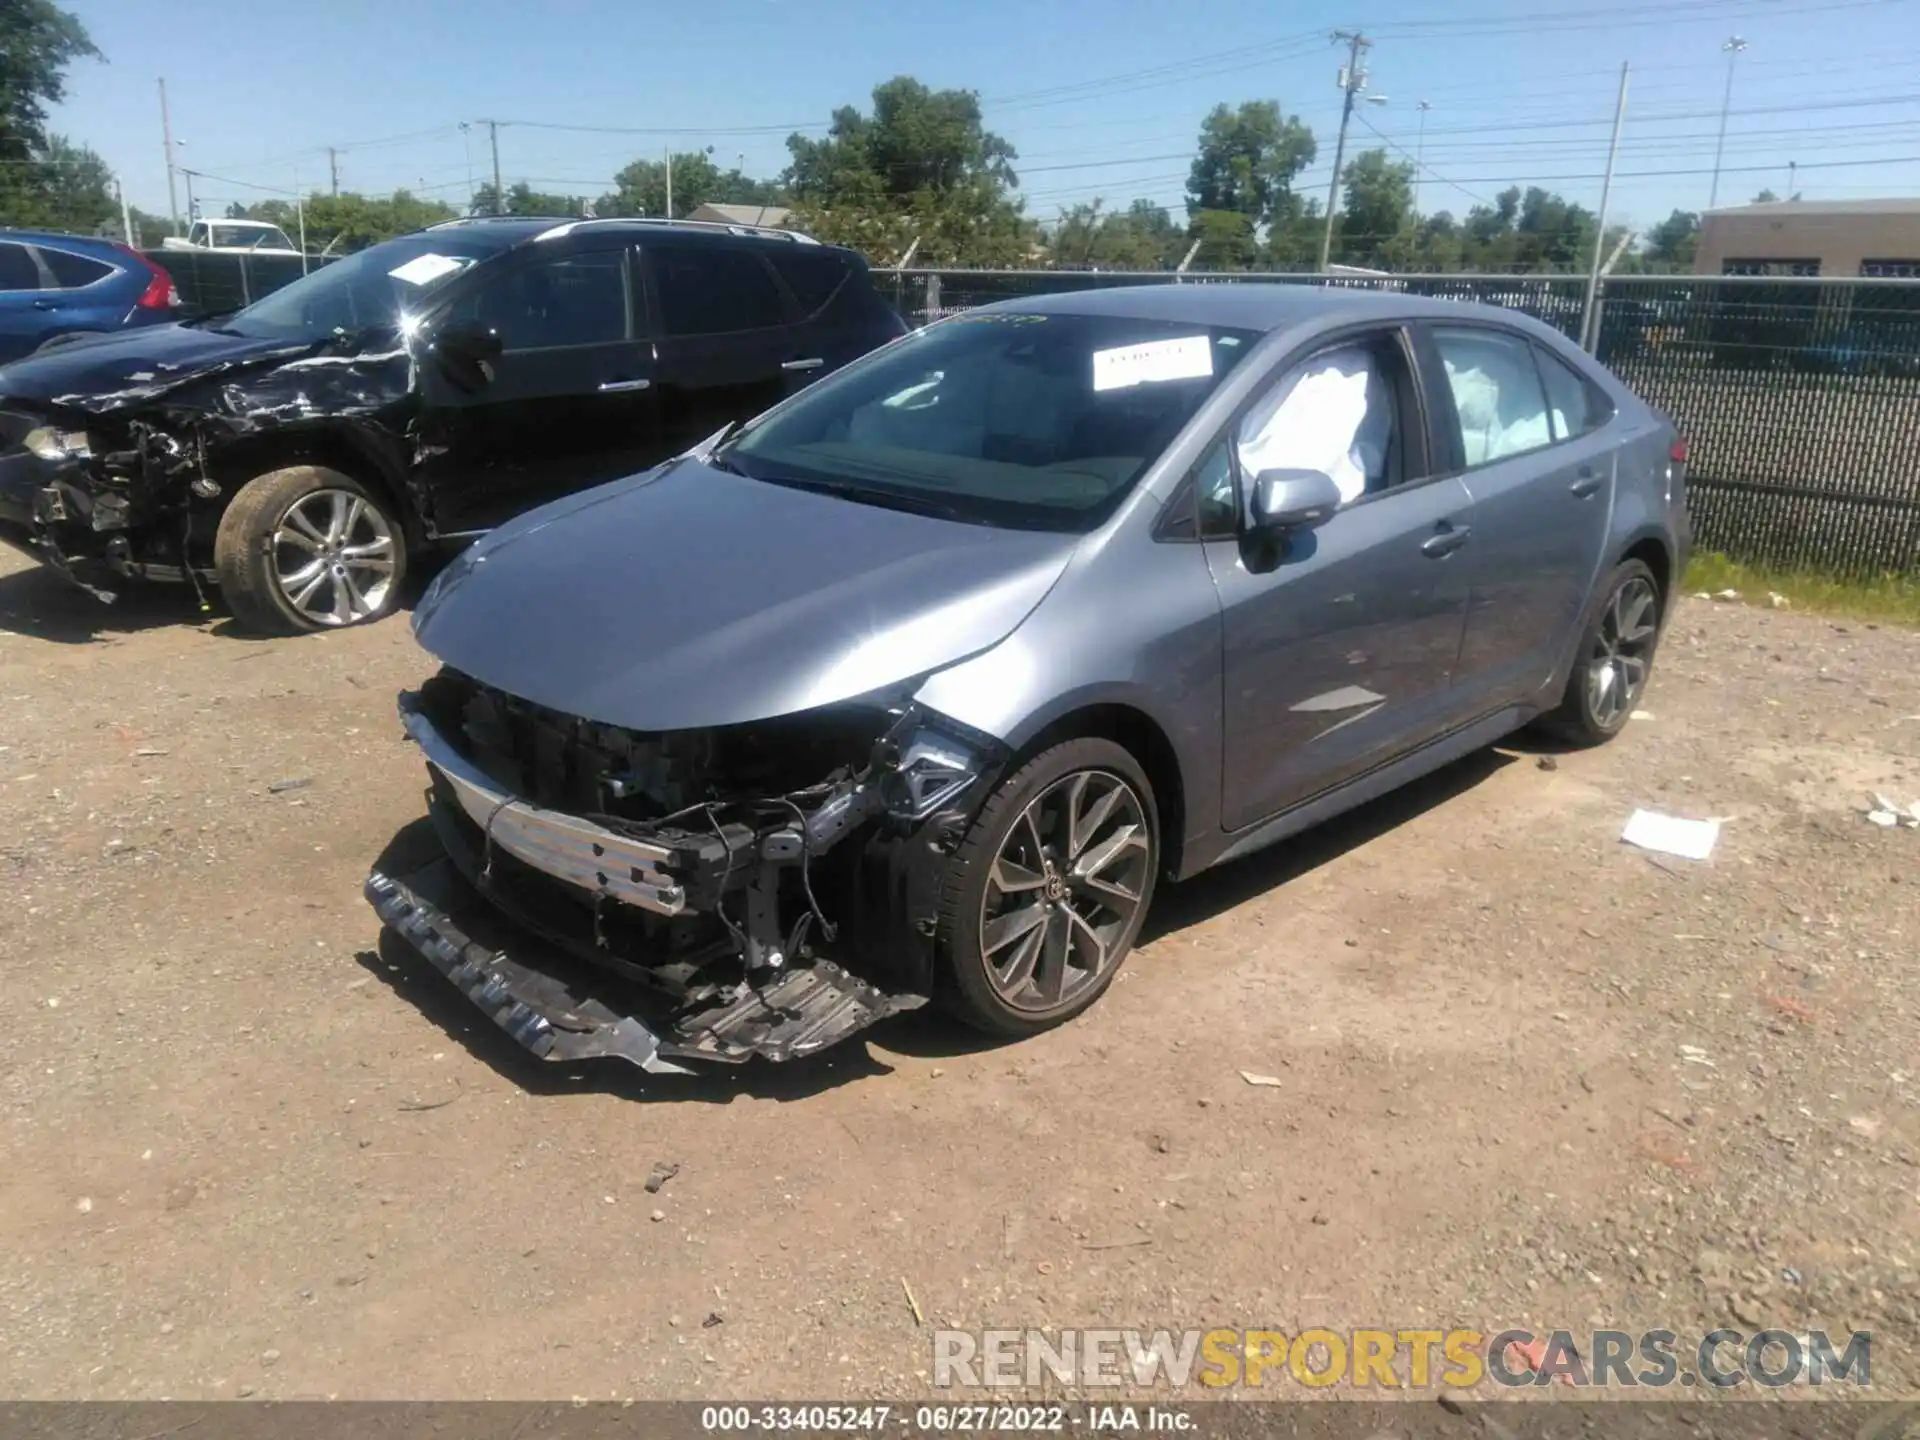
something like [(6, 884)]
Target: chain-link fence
[(1800, 399)]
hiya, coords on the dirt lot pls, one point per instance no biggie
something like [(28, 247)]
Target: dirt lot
[(249, 1149)]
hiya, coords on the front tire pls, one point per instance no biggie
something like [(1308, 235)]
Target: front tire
[(1047, 892), (1615, 657), (308, 548)]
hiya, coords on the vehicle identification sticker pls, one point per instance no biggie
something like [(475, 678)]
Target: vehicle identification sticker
[(1188, 358), (425, 269)]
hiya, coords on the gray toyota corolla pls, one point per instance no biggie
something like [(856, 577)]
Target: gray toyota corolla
[(916, 685)]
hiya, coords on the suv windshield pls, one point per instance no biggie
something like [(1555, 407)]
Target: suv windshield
[(362, 292), (1038, 421)]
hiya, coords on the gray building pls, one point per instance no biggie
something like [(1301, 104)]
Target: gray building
[(1832, 238)]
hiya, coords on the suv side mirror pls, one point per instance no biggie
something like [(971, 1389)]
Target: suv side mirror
[(1293, 499), (466, 353)]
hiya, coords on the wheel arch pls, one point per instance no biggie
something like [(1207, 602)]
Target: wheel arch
[(348, 449), (1652, 551), (1141, 736)]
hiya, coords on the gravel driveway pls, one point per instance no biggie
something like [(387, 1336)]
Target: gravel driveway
[(1527, 1074)]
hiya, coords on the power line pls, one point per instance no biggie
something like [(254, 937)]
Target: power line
[(1420, 165)]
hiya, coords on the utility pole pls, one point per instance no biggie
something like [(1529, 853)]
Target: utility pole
[(333, 168), (1793, 179), (126, 215), (1589, 320), (1733, 46), (192, 215), (166, 139), (1352, 80), (667, 150), (1419, 153), (499, 195)]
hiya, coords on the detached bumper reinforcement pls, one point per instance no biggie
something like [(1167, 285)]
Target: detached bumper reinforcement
[(559, 1009)]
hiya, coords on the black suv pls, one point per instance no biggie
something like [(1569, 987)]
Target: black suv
[(295, 453)]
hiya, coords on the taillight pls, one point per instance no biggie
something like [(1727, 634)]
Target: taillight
[(1677, 453), (159, 294)]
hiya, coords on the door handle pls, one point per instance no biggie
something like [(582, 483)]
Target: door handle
[(1448, 539), (614, 387), (813, 364), (1585, 483)]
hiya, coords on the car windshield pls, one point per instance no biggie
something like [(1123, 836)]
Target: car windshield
[(364, 291), (1039, 421)]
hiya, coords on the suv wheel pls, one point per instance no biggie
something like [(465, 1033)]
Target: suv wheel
[(308, 548), (1615, 657), (1048, 890)]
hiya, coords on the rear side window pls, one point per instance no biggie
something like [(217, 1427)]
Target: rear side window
[(714, 290), (73, 271), (1497, 395), (17, 270), (1573, 404), (814, 276)]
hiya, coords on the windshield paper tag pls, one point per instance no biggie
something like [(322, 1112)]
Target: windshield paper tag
[(1189, 358), (425, 269)]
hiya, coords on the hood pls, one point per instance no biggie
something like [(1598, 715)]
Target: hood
[(107, 372), (691, 597)]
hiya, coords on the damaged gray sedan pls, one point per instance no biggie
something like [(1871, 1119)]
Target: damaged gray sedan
[(916, 685)]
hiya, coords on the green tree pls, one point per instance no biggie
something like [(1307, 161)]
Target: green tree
[(1247, 161), (1765, 197), (640, 188), (340, 224), (523, 199), (149, 231), (1376, 226), (1227, 240), (43, 180), (1672, 243), (1141, 237), (1440, 245), (921, 167)]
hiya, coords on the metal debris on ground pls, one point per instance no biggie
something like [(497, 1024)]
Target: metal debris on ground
[(1670, 835), (1641, 715), (1127, 1242), (912, 1304), (1694, 1055), (662, 1172), (1251, 1078), (419, 1105), (714, 1317), (1883, 812), (280, 787)]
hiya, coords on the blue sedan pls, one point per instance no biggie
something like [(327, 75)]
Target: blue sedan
[(58, 285)]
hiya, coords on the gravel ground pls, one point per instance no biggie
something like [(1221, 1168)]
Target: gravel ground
[(1528, 1075)]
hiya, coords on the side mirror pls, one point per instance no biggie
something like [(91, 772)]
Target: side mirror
[(1293, 499), (466, 353)]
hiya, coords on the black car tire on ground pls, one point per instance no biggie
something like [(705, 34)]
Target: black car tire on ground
[(1087, 771), (1586, 714), (268, 542)]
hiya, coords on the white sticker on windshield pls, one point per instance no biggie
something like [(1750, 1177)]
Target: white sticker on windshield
[(425, 269), (1188, 358)]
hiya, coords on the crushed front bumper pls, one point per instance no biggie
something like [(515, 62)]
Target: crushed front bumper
[(561, 1009)]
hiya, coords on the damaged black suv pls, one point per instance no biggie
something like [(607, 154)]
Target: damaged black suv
[(296, 453)]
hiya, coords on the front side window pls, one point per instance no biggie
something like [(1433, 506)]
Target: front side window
[(17, 271), (1333, 414), (1028, 420), (570, 300), (714, 290), (1497, 395)]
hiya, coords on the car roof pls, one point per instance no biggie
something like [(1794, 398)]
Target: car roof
[(55, 237), (1264, 306), (527, 227)]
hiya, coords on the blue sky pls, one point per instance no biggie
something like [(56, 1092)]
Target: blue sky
[(1519, 92)]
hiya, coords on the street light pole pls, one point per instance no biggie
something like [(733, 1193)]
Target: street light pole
[(1352, 80), (1733, 45), (1420, 153)]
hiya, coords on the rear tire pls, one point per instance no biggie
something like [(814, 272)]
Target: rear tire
[(1048, 890), (308, 548), (1614, 660)]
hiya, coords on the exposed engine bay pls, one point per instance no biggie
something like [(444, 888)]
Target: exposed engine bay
[(766, 888)]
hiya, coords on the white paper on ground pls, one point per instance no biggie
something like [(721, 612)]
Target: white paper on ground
[(425, 269), (1188, 358), (1688, 839)]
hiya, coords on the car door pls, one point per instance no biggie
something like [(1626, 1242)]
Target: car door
[(25, 314), (1539, 464), (1340, 641), (724, 340), (565, 405)]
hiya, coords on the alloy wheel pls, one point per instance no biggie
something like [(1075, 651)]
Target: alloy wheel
[(1065, 889), (1622, 652), (333, 557)]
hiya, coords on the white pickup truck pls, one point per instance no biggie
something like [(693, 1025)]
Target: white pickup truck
[(251, 237)]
